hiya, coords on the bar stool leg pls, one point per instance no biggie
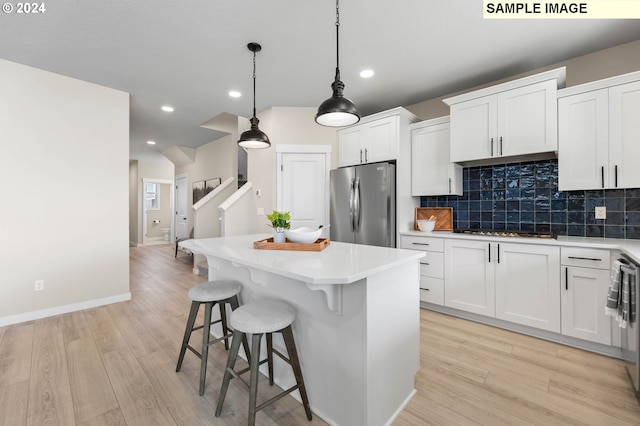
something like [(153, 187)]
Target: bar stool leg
[(289, 342), (253, 386), (270, 357), (223, 319), (206, 329), (231, 362), (245, 343), (193, 313)]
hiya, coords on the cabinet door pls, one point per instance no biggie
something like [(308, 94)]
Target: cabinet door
[(382, 140), (473, 129), (584, 295), (624, 135), (350, 142), (528, 285), (527, 119), (432, 173), (469, 271), (583, 128)]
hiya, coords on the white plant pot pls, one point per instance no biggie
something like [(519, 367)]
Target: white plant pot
[(278, 237)]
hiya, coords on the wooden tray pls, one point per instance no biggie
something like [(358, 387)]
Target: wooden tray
[(444, 217), (268, 244)]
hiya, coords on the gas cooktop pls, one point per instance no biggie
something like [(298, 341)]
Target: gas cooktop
[(504, 233)]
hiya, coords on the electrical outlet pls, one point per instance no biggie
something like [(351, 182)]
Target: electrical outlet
[(39, 285), (601, 212)]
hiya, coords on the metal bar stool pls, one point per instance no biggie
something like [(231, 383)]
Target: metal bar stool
[(257, 319), (210, 293)]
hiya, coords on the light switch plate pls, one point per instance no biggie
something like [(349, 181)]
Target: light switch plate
[(601, 212)]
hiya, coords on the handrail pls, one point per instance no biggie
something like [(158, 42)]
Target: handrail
[(212, 194), (226, 204)]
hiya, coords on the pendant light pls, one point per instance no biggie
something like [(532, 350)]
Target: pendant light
[(254, 137), (337, 111)]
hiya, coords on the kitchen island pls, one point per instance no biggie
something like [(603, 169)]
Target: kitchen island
[(357, 327)]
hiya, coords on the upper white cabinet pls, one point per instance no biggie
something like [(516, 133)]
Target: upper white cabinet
[(599, 134), (369, 142), (432, 173), (510, 119)]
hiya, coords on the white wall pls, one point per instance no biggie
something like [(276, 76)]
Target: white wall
[(289, 126), (64, 146)]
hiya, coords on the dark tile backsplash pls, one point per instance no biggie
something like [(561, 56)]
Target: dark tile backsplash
[(525, 196)]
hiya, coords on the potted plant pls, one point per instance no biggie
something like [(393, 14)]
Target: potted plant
[(279, 221)]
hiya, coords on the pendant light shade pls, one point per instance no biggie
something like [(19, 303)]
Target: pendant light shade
[(337, 111), (254, 137)]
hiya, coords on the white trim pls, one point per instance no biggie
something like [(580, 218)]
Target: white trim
[(559, 74), (600, 84), (59, 310), (212, 194), (226, 204)]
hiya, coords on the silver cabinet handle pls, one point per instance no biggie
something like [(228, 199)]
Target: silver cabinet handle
[(420, 244), (360, 156), (602, 175), (449, 185), (500, 145), (585, 258), (366, 155), (492, 147)]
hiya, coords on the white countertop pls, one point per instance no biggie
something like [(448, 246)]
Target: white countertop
[(340, 263), (630, 247)]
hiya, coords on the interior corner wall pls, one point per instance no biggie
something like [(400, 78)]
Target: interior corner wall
[(162, 169), (606, 63), (287, 126), (64, 215), (133, 203), (218, 158)]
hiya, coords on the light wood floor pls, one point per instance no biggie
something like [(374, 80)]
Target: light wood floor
[(115, 365)]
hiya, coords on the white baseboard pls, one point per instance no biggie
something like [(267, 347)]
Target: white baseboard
[(58, 310)]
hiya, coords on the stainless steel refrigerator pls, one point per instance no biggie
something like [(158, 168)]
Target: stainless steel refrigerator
[(363, 204)]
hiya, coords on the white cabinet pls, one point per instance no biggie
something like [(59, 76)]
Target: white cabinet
[(469, 276), (514, 282), (528, 285), (599, 135), (585, 283), (369, 142), (431, 267), (432, 173), (511, 119)]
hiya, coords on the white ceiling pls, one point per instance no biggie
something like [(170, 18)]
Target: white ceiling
[(189, 54)]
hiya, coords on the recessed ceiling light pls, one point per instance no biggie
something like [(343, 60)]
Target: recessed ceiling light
[(167, 108), (151, 142), (366, 73), (235, 94)]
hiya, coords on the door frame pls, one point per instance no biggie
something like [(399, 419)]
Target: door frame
[(282, 149), (144, 212), (174, 222)]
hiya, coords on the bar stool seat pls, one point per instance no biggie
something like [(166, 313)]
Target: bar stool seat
[(260, 318), (209, 293)]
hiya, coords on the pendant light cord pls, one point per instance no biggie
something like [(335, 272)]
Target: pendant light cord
[(337, 40), (254, 83)]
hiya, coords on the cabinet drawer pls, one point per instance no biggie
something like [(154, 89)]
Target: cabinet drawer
[(585, 257), (423, 243), (432, 290), (432, 265)]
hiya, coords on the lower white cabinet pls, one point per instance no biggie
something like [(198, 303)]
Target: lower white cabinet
[(431, 267), (514, 282), (528, 285), (584, 294), (469, 276)]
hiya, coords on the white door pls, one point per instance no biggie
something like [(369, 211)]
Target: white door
[(430, 163), (528, 285), (624, 128), (473, 129), (350, 145), (382, 140), (469, 276), (303, 188), (181, 207)]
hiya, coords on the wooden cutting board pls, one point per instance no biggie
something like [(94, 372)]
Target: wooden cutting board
[(444, 217)]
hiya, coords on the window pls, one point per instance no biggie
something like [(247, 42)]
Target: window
[(151, 197)]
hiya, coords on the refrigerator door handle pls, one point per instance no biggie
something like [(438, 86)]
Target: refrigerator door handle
[(351, 205), (356, 197)]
